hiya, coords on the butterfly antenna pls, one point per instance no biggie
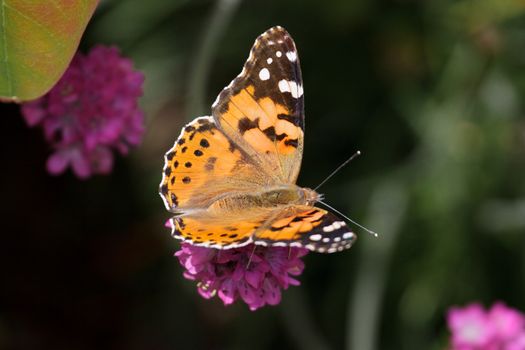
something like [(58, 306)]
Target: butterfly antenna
[(338, 168), (347, 218)]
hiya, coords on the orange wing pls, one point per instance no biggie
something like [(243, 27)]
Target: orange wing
[(204, 164), (262, 110), (295, 226), (302, 226)]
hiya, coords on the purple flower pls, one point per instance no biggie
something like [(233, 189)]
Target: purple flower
[(470, 327), (90, 112), (508, 323), (474, 328), (252, 273)]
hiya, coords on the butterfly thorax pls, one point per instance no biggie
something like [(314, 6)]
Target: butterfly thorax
[(273, 197)]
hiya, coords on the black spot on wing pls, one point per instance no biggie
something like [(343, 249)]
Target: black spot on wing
[(291, 142), (206, 127), (204, 143), (294, 119), (270, 133), (170, 155), (246, 124)]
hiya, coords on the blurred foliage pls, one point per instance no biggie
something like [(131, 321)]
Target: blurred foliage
[(37, 43), (430, 91)]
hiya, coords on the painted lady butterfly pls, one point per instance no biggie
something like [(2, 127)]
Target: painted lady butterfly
[(230, 178)]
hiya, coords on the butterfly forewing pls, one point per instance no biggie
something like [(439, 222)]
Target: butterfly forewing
[(262, 110)]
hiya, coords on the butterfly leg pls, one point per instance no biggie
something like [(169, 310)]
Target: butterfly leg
[(251, 256)]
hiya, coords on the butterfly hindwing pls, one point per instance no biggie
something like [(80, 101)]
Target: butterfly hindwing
[(262, 110), (220, 231), (296, 226), (203, 164), (303, 226), (220, 234)]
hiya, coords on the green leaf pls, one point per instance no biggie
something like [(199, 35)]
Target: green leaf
[(38, 39)]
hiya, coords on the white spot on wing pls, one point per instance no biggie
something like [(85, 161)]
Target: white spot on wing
[(278, 54), (316, 237), (336, 225), (328, 228), (269, 60), (292, 56), (291, 87), (264, 74), (348, 235)]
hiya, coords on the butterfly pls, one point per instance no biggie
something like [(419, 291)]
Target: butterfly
[(230, 178)]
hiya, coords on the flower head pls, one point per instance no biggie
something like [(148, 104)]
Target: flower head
[(252, 273), (508, 323), (90, 112), (470, 327), (474, 328)]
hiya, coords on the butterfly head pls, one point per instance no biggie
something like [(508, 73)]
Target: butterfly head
[(309, 196)]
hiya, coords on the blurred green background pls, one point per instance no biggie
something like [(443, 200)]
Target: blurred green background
[(430, 91)]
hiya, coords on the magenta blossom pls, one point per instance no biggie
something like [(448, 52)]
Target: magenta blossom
[(252, 273), (90, 112), (474, 328)]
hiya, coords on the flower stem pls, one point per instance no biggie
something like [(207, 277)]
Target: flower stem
[(387, 208)]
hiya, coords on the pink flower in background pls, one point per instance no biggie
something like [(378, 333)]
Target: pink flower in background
[(470, 327), (254, 276), (508, 323), (90, 112), (474, 328)]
